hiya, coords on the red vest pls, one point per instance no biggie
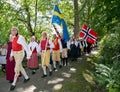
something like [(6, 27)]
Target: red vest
[(43, 44), (56, 44), (16, 46)]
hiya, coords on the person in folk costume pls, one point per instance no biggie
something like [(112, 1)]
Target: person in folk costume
[(33, 61), (94, 46), (18, 46), (81, 46), (68, 47), (77, 43), (56, 51), (10, 64), (3, 57), (73, 49), (89, 47), (65, 46), (45, 46), (85, 46)]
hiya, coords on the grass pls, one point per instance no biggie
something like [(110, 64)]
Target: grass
[(2, 74), (83, 79)]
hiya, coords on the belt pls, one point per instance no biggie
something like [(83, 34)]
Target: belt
[(18, 51), (44, 50)]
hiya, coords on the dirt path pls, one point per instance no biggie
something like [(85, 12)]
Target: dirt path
[(38, 84)]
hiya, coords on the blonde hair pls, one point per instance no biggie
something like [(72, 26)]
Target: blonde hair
[(33, 37), (15, 28)]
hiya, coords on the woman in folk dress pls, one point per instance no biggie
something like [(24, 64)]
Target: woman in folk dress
[(33, 61), (10, 64)]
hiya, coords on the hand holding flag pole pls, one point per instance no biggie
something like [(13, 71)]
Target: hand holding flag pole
[(58, 34)]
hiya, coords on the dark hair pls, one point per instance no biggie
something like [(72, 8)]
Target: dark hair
[(16, 34)]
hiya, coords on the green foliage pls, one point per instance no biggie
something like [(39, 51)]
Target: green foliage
[(108, 76), (108, 72), (102, 74), (106, 18), (30, 17), (110, 45)]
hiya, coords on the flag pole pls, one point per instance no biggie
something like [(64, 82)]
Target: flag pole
[(58, 34)]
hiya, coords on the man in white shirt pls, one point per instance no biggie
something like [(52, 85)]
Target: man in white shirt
[(45, 46), (18, 46), (56, 51)]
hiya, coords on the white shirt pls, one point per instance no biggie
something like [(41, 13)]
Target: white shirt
[(3, 51), (68, 44), (85, 44), (21, 40), (76, 43), (81, 44), (33, 45)]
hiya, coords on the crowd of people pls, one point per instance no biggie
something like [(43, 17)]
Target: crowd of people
[(53, 52)]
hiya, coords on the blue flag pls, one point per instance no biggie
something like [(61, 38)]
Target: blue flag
[(65, 31), (57, 16), (58, 19)]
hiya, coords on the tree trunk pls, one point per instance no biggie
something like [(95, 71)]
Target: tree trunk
[(76, 18), (29, 26), (36, 4)]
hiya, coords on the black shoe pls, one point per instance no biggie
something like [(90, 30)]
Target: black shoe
[(50, 73), (60, 66), (54, 69), (33, 72), (11, 81), (44, 76), (26, 80), (3, 70), (12, 87)]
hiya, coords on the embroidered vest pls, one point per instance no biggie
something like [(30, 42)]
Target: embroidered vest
[(43, 44), (16, 46), (56, 44)]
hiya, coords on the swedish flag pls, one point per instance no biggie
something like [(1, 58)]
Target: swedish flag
[(57, 16), (58, 19), (65, 34)]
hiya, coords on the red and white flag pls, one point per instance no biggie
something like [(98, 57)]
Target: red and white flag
[(88, 34)]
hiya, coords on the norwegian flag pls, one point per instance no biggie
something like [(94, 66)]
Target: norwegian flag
[(88, 34)]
